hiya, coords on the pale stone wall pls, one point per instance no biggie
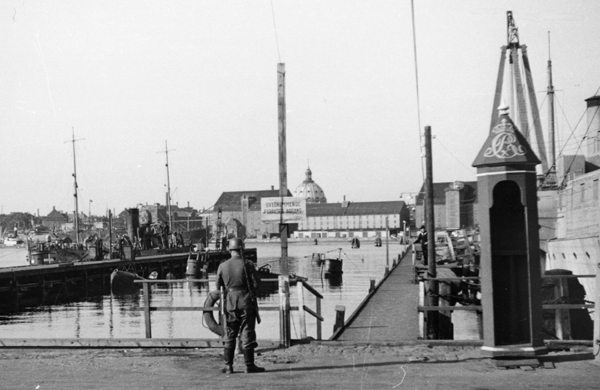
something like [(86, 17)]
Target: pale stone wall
[(579, 256)]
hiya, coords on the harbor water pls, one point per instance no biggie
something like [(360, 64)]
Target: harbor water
[(117, 316)]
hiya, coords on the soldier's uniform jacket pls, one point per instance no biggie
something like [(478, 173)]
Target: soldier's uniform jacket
[(230, 276)]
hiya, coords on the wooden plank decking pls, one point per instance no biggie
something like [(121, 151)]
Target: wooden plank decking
[(390, 312)]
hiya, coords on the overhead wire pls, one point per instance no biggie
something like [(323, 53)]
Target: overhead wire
[(275, 29), (580, 142), (456, 158), (412, 9)]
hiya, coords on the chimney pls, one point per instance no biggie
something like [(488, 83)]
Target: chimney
[(593, 106), (345, 203)]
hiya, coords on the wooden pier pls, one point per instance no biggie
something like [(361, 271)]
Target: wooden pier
[(389, 312), (34, 285)]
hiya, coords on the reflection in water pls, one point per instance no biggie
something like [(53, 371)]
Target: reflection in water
[(77, 321), (117, 316), (335, 282), (110, 317)]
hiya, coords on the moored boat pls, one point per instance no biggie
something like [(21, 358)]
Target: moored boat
[(11, 241)]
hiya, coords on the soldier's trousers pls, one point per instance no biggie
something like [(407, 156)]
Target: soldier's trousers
[(241, 322)]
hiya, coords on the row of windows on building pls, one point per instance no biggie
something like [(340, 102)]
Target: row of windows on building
[(370, 221)]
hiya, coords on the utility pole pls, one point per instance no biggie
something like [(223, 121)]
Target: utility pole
[(76, 213), (433, 290), (283, 228), (166, 152), (284, 282)]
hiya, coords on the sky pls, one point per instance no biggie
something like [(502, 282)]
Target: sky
[(201, 76)]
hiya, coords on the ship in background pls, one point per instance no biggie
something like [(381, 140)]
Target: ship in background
[(576, 243), (568, 184)]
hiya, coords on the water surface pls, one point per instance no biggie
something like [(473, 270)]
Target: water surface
[(117, 316)]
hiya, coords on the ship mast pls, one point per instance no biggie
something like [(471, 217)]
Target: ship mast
[(168, 185), (551, 107), (550, 176), (76, 214)]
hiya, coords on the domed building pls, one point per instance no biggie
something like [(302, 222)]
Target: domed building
[(310, 190)]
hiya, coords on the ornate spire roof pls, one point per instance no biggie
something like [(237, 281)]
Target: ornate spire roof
[(505, 145)]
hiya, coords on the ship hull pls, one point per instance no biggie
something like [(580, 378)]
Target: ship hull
[(577, 255)]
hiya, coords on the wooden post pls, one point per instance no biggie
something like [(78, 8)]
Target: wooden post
[(281, 121), (284, 311), (562, 317), (446, 328), (597, 316), (318, 321), (422, 322), (433, 290), (387, 243), (147, 311), (340, 314), (301, 312)]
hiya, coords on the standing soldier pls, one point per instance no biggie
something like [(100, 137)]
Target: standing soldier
[(423, 239), (239, 282)]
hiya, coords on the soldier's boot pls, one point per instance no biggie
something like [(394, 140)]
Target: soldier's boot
[(228, 354), (249, 359)]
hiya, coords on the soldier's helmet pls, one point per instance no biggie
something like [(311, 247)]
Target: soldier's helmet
[(235, 244)]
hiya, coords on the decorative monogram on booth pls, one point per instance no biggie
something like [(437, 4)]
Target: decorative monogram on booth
[(503, 144)]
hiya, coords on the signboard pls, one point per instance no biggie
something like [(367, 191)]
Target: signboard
[(289, 210)]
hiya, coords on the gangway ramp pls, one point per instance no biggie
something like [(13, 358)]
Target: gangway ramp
[(389, 313)]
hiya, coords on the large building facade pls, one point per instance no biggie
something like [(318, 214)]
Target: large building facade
[(353, 219)]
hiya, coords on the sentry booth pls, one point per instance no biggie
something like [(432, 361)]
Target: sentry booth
[(510, 265)]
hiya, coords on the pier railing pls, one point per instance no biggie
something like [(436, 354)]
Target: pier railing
[(284, 308), (561, 316)]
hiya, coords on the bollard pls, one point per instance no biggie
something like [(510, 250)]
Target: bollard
[(340, 313), (371, 285), (284, 311)]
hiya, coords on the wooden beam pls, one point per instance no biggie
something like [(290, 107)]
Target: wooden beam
[(314, 314), (147, 321), (440, 308), (301, 312)]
